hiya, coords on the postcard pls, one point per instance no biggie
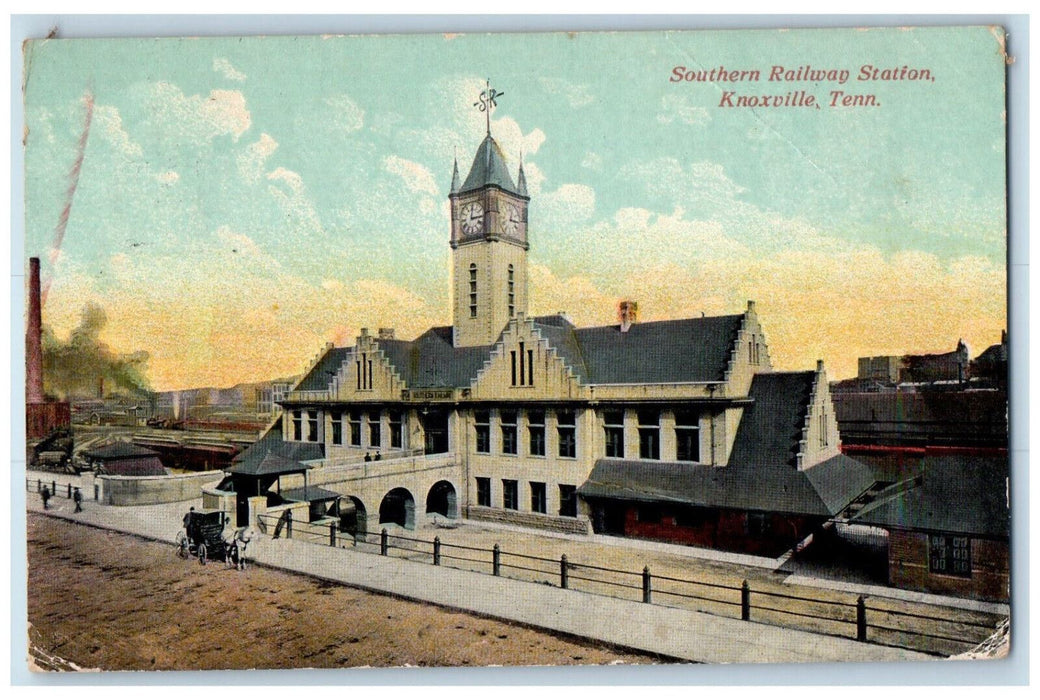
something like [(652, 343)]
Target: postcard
[(539, 349)]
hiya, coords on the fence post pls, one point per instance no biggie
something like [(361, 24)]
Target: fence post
[(70, 490), (332, 534), (39, 485), (861, 620), (384, 542), (54, 488), (563, 571), (436, 551), (646, 584), (97, 492), (496, 560), (745, 601), (288, 524)]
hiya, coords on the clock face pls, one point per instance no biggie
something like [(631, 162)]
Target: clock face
[(471, 217), (512, 221)]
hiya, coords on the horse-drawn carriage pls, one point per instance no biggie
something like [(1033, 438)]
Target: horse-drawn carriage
[(204, 537)]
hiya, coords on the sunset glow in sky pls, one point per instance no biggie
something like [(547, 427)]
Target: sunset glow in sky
[(243, 201)]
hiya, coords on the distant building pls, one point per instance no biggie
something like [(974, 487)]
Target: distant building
[(125, 459)]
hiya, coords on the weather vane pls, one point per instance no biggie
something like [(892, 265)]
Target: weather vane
[(486, 101)]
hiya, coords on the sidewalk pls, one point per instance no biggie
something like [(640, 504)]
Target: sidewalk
[(670, 632)]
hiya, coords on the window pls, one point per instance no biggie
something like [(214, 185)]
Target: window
[(512, 294), (508, 432), (363, 369), (568, 501), (374, 437), (484, 491), (473, 291), (482, 422), (648, 514), (565, 433), (536, 432), (649, 435), (355, 428), (823, 427), (395, 429), (510, 498), (337, 427), (522, 366), (614, 432), (297, 424), (537, 497), (757, 524), (949, 555), (687, 436)]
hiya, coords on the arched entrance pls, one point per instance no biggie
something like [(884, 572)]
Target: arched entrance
[(441, 499), (353, 517), (398, 507)]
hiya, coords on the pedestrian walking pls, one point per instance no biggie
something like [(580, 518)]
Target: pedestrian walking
[(45, 494), (77, 498)]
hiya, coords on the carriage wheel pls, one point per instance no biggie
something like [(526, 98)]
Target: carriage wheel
[(202, 553)]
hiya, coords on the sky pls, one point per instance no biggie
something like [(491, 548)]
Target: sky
[(242, 201)]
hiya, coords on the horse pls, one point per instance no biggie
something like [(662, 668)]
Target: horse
[(235, 547)]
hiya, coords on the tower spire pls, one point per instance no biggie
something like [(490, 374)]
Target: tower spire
[(521, 179), (486, 101), (455, 173)]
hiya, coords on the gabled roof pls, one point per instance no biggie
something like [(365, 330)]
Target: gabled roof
[(684, 350), (772, 425), (822, 490), (320, 376), (119, 450), (272, 455), (489, 168), (957, 494)]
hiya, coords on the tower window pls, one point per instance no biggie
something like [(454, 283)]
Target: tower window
[(473, 291), (512, 294)]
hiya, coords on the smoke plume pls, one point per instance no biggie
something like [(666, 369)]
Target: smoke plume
[(82, 364)]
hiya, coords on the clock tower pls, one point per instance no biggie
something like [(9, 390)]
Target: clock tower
[(489, 247)]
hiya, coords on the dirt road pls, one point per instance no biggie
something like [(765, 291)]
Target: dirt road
[(107, 601)]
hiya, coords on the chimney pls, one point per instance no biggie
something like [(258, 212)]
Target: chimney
[(750, 307), (386, 333), (33, 342), (819, 366), (627, 314), (101, 387)]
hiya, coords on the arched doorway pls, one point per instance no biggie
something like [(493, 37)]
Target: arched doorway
[(398, 507), (441, 499), (353, 517)]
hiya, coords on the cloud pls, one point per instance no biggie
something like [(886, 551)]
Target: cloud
[(252, 161), (592, 161), (168, 177), (576, 95), (569, 202), (198, 117), (349, 116), (109, 126), (416, 177), (238, 242), (300, 212), (678, 108), (224, 67)]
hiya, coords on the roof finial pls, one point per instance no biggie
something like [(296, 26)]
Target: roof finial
[(486, 101), (455, 173)]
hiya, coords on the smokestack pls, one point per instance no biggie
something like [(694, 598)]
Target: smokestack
[(627, 314), (33, 340)]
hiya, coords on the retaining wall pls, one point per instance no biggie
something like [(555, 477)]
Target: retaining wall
[(149, 490)]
